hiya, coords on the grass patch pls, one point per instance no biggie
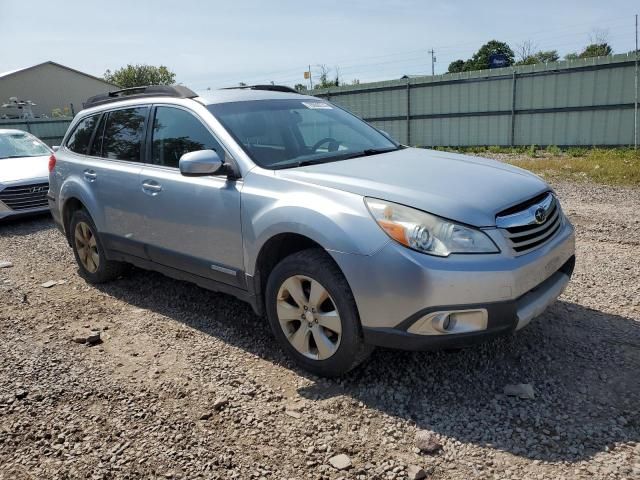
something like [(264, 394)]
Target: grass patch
[(608, 166)]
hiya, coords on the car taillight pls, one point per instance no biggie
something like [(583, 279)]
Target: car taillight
[(52, 162)]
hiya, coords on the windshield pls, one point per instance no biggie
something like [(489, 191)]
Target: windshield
[(21, 144), (287, 133)]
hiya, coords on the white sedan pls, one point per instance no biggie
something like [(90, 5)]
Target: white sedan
[(24, 174)]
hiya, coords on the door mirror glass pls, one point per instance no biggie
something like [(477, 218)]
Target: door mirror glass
[(200, 162)]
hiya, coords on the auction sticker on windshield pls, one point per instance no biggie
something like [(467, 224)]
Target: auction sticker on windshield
[(318, 105)]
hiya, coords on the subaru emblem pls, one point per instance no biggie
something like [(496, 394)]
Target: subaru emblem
[(540, 215)]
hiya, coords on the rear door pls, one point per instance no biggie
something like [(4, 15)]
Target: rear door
[(191, 223), (114, 173)]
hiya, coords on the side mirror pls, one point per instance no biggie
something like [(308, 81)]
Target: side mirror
[(199, 163), (55, 148)]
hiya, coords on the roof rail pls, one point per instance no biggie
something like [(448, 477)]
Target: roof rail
[(177, 91), (271, 88)]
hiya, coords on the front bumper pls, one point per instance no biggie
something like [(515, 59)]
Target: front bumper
[(397, 288), (23, 198), (502, 318)]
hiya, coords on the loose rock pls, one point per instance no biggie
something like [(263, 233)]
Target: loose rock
[(340, 462), (427, 442), (93, 338), (521, 390), (415, 472), (220, 403)]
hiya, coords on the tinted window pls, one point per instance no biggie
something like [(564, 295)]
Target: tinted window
[(122, 138), (176, 132), (79, 140)]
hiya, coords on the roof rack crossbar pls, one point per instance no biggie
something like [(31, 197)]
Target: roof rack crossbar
[(271, 88), (176, 91)]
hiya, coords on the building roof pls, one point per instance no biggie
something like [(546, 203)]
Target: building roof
[(20, 70)]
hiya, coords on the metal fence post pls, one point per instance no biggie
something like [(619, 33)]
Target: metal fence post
[(408, 113), (513, 110)]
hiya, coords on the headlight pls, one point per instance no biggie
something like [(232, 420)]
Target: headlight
[(427, 233)]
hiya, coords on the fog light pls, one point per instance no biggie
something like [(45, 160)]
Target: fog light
[(451, 322)]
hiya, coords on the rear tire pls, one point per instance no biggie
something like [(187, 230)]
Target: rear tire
[(89, 251), (313, 314)]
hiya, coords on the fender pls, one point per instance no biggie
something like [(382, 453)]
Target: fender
[(75, 187), (339, 221)]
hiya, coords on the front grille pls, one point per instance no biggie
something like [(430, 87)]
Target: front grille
[(24, 197), (524, 231)]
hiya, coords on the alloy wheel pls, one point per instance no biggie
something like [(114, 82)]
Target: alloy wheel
[(309, 317), (87, 247)]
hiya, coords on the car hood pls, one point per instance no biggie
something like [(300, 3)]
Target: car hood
[(24, 168), (467, 189)]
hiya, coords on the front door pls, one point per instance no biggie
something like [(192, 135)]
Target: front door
[(191, 223)]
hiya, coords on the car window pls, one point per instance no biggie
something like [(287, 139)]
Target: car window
[(315, 128), (286, 133), (21, 144), (79, 140), (176, 132), (123, 133)]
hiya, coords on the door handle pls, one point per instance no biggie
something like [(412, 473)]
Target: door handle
[(151, 186), (90, 175)]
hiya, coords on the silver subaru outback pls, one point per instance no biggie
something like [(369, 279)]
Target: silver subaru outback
[(342, 237)]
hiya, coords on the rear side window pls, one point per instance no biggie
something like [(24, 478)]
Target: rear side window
[(123, 134), (79, 140), (176, 132)]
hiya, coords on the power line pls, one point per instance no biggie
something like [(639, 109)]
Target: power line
[(411, 61)]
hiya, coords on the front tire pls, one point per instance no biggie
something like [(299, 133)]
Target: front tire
[(313, 314), (89, 251)]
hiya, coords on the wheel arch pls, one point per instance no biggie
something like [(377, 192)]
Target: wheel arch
[(74, 195), (274, 250)]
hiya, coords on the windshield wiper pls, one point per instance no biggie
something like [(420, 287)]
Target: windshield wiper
[(371, 151), (317, 161), (362, 153)]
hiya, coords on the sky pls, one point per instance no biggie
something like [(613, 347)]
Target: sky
[(212, 44)]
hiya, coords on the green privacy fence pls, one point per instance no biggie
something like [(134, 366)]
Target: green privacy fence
[(49, 130), (580, 102)]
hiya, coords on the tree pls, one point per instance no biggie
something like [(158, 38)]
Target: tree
[(571, 56), (546, 56), (596, 50), (480, 59), (140, 76), (323, 80), (540, 57), (525, 53), (299, 87), (456, 66)]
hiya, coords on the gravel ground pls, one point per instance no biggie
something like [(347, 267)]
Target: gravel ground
[(189, 384)]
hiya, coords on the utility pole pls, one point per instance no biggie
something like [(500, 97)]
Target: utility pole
[(433, 61), (310, 80), (635, 106)]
